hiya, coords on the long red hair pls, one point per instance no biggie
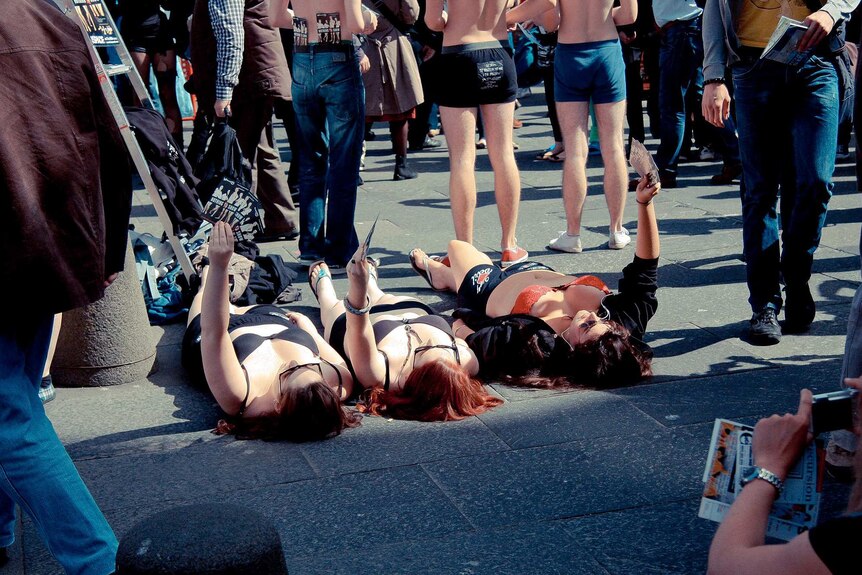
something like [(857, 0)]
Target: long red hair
[(436, 391)]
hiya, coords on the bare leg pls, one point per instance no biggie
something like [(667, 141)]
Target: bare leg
[(463, 257), (142, 64), (330, 305), (507, 181), (610, 120), (459, 124), (574, 122), (442, 277), (52, 347), (165, 68)]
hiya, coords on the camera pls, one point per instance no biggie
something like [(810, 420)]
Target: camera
[(831, 411)]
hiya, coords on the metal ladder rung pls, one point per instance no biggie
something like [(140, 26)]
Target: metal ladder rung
[(116, 69)]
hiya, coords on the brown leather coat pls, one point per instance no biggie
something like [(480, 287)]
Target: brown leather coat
[(65, 187)]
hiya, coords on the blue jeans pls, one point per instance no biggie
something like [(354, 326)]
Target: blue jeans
[(681, 61), (788, 124), (329, 99), (35, 470)]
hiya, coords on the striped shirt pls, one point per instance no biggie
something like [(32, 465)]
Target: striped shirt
[(227, 23)]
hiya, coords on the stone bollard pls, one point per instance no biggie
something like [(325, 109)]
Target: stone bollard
[(202, 539), (108, 342)]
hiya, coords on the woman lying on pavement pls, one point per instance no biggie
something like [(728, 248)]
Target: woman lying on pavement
[(739, 545), (404, 354), (270, 371), (553, 329)]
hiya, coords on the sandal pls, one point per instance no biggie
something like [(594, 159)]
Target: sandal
[(557, 157), (424, 273), (316, 272), (441, 260)]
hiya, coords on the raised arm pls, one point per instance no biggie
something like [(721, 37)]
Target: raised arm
[(280, 14), (435, 17), (648, 240), (529, 10), (626, 13), (222, 369), (367, 362), (739, 545)]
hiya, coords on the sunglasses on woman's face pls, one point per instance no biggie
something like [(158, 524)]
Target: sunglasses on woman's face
[(423, 348)]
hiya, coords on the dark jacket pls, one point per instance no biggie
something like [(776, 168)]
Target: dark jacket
[(65, 186), (169, 168), (264, 71)]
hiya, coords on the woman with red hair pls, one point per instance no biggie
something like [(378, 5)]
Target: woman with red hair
[(405, 356)]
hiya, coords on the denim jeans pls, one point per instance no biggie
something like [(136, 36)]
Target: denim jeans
[(788, 124), (681, 62), (329, 99), (35, 471)]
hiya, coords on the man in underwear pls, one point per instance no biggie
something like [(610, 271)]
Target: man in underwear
[(588, 66), (329, 100), (479, 73)]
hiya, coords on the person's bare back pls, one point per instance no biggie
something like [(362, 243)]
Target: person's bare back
[(589, 20), (327, 21), (470, 20)]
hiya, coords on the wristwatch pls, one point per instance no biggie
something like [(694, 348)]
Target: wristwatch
[(749, 474)]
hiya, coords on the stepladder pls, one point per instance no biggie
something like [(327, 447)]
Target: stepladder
[(101, 32)]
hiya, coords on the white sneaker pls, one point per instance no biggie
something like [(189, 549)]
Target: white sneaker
[(619, 240), (566, 243)]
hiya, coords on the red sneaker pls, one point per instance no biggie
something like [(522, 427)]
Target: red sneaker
[(512, 256)]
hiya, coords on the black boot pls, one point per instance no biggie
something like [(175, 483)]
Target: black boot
[(402, 170)]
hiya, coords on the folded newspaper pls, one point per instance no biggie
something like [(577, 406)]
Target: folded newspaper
[(795, 510), (782, 44), (641, 160), (233, 202)]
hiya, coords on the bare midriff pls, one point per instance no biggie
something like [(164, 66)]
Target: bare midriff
[(471, 21), (556, 303), (322, 19)]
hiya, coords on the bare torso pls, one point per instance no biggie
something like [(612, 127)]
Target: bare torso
[(551, 307), (324, 20), (586, 21), (475, 21)]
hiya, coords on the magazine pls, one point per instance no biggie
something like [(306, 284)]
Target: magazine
[(233, 202), (793, 512), (782, 44)]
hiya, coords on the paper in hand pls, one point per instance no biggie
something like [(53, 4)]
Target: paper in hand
[(641, 160)]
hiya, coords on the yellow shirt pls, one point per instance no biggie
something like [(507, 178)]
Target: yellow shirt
[(758, 19)]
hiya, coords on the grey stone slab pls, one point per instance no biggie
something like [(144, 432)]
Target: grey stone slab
[(382, 443), (131, 418), (214, 469), (571, 416), (574, 479), (654, 540), (732, 396), (355, 512), (544, 549)]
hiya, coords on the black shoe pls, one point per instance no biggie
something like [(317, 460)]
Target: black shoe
[(728, 174), (402, 170), (799, 308), (668, 180), (266, 237), (4, 556), (428, 144), (764, 328)]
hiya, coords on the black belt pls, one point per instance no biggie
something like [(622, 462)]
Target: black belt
[(319, 47)]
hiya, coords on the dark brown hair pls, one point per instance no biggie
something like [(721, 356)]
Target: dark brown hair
[(435, 391), (309, 413), (611, 360)]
